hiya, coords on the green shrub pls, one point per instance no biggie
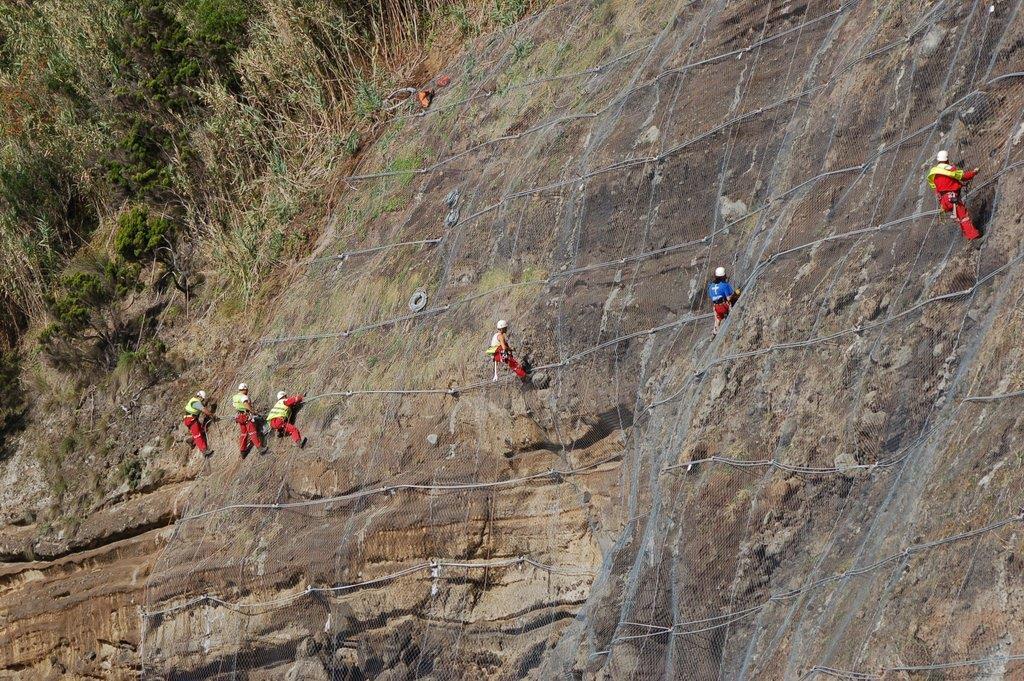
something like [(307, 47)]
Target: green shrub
[(88, 328), (521, 50), (507, 12), (137, 165), (68, 445), (368, 100), (12, 410), (352, 143), (130, 471), (219, 22), (460, 16), (139, 234), (149, 358)]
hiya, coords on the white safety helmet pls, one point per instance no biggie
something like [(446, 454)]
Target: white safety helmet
[(243, 386), (281, 394), (502, 324), (942, 156), (201, 394), (720, 272)]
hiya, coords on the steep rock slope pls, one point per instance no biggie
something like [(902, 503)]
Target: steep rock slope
[(831, 485)]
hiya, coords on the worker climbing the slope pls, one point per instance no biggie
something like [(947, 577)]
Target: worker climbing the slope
[(946, 179), (197, 416), (501, 351), (723, 296), (246, 420), (280, 417)]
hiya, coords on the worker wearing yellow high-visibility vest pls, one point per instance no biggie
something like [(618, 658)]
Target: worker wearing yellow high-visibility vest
[(947, 180), (280, 417), (248, 435), (196, 414)]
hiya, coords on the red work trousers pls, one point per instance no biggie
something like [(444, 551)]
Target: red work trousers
[(198, 432), (951, 203), (280, 424), (723, 308), (248, 433), (508, 359)]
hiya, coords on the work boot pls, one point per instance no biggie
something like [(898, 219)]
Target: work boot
[(264, 449), (208, 453), (302, 443)]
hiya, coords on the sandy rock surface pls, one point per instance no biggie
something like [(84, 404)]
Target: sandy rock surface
[(815, 488)]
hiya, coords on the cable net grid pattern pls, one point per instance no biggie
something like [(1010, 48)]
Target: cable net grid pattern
[(590, 211)]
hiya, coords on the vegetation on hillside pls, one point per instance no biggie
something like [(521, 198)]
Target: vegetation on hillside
[(149, 145), (12, 411), (157, 159)]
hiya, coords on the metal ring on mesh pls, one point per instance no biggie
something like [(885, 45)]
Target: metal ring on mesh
[(418, 301), (653, 398)]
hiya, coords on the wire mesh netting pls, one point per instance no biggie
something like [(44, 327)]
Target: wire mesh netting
[(808, 493)]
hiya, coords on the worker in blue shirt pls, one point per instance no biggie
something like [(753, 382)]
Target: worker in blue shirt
[(723, 296)]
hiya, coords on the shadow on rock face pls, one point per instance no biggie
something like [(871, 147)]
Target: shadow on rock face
[(980, 204)]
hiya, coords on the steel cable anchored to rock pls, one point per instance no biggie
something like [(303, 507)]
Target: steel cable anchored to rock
[(432, 567), (841, 373), (618, 262), (994, 660), (386, 489), (455, 391)]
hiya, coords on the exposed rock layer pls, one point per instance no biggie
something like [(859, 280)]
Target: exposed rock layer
[(499, 530)]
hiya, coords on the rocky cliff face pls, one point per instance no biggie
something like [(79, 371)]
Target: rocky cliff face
[(831, 487)]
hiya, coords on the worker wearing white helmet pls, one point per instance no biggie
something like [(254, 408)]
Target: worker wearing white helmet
[(249, 435), (197, 415), (947, 180), (723, 296), (501, 352), (280, 417)]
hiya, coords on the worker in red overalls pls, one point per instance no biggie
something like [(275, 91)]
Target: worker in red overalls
[(946, 179), (280, 417), (196, 418), (501, 352), (246, 420)]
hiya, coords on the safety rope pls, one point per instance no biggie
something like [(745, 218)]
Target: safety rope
[(706, 624), (992, 398), (649, 254), (937, 666), (713, 459), (432, 566), (389, 489), (684, 320), (376, 249), (837, 674)]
